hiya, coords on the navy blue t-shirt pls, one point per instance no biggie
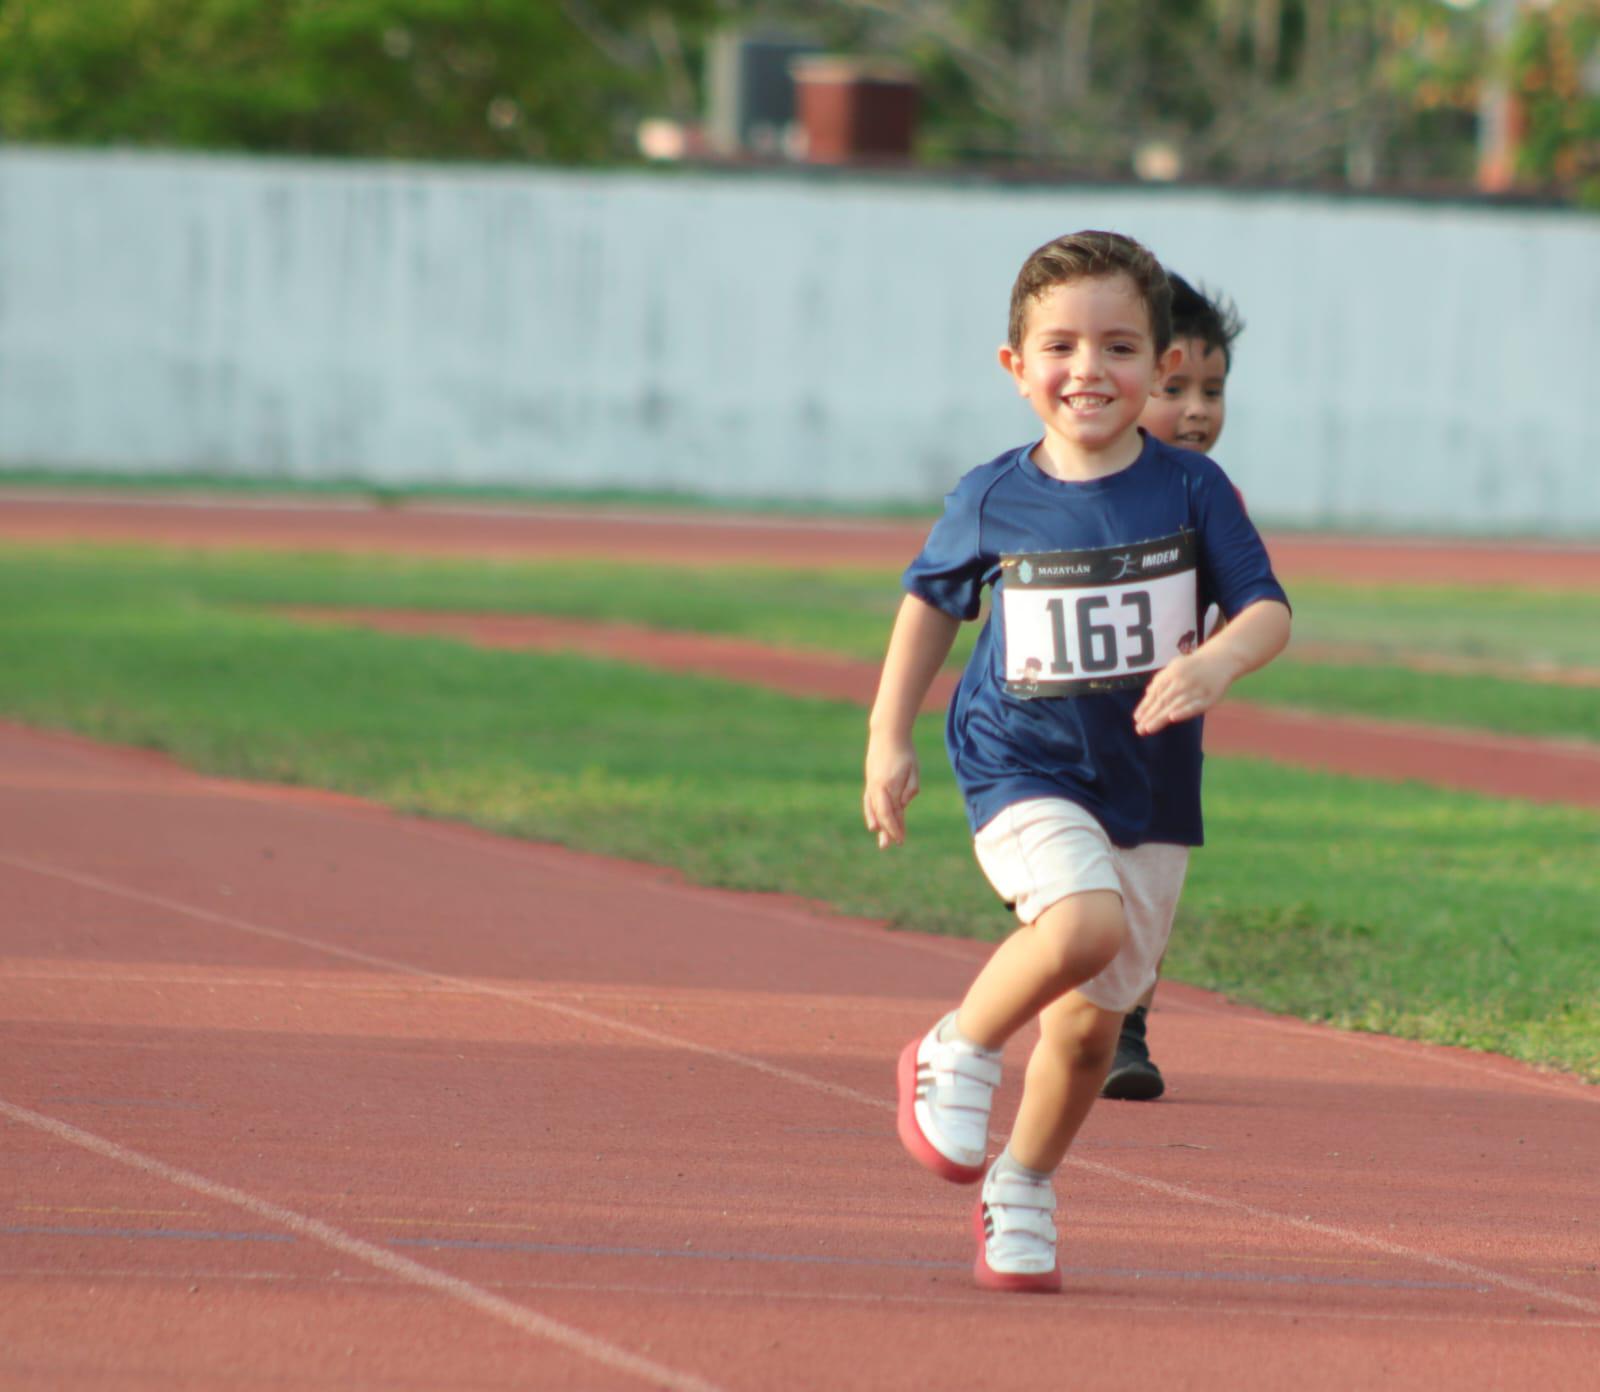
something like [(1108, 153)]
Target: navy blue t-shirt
[(1006, 747)]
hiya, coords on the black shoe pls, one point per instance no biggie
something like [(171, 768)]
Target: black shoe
[(1133, 1077)]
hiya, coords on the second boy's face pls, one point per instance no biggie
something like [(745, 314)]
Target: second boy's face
[(1190, 404), (1087, 366)]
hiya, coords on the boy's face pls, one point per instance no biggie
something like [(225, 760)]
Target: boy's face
[(1190, 403), (1087, 365)]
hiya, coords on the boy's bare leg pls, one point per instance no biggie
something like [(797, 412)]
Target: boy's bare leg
[(943, 1123), (1077, 1040), (1072, 940)]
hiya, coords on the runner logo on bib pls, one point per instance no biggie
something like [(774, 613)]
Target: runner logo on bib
[(1095, 620)]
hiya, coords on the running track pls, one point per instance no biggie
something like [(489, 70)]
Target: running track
[(296, 1092), (355, 525)]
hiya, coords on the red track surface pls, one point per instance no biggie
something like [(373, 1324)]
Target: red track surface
[(297, 1092), (38, 515), (1503, 766)]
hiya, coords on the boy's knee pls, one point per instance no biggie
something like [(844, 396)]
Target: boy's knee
[(1081, 1032), (1080, 935)]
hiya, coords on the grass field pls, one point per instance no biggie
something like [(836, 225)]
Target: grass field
[(1421, 912), (850, 612)]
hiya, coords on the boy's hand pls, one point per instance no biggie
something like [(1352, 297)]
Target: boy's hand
[(892, 781), (1186, 687), (1189, 686)]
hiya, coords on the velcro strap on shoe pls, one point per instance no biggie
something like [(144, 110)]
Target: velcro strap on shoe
[(960, 1093), (1021, 1236), (1012, 1191), (981, 1068), (1026, 1244)]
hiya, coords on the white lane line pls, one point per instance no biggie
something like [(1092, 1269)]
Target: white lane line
[(486, 988), (1141, 1304), (402, 1268), (558, 860), (966, 950), (1342, 1234), (384, 991), (470, 838), (378, 987), (1353, 1236)]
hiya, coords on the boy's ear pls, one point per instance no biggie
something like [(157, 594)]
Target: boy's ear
[(1011, 362), (1170, 361)]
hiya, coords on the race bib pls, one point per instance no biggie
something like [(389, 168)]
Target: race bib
[(1095, 620)]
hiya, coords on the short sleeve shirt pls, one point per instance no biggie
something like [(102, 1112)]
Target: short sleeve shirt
[(1101, 580)]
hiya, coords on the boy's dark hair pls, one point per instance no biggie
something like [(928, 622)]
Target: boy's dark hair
[(1213, 319), (1090, 256)]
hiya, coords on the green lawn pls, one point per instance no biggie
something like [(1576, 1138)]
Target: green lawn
[(1516, 627), (1422, 912), (850, 612)]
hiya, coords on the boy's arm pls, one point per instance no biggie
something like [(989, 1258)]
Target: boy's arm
[(1189, 686), (918, 646)]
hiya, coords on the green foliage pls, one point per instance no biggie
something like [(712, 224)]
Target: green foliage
[(1553, 56), (1307, 91), (479, 79), (1363, 92), (1359, 91)]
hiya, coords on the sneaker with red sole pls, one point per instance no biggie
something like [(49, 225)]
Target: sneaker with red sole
[(1016, 1235), (946, 1090)]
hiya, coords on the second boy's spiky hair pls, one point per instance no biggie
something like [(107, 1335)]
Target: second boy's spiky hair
[(1089, 256), (1212, 318)]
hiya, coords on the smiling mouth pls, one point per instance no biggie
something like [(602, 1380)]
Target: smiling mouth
[(1086, 401), (1196, 437)]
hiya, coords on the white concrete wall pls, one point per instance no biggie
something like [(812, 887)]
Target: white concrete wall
[(803, 336)]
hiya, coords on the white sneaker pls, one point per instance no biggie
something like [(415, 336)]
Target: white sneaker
[(945, 1094), (1016, 1237)]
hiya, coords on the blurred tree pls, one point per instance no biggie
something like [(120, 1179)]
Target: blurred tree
[(483, 79), (1552, 71), (1270, 90), (1328, 92)]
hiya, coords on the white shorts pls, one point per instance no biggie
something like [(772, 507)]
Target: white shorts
[(1042, 850)]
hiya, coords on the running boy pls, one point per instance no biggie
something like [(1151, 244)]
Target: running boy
[(1190, 403), (1188, 410), (1082, 784)]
